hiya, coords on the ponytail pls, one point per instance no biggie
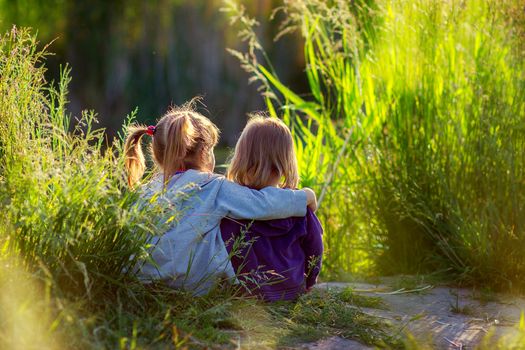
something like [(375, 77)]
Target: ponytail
[(180, 139), (134, 162)]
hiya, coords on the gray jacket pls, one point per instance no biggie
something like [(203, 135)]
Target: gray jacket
[(191, 254)]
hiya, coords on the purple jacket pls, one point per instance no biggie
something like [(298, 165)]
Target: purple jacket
[(275, 259)]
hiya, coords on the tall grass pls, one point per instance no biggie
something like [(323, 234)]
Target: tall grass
[(413, 133), (66, 211)]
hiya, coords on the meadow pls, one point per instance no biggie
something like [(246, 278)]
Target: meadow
[(412, 135)]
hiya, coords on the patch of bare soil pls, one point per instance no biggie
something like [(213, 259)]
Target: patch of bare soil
[(443, 317)]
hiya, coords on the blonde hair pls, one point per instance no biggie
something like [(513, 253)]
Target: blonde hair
[(182, 140), (264, 151)]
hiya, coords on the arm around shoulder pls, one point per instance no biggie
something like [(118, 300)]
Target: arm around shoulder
[(267, 204)]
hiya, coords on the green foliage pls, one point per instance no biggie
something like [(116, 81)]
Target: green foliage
[(337, 312), (66, 211), (413, 134), (348, 295)]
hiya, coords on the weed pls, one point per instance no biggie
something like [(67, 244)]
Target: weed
[(349, 296), (457, 308), (331, 313)]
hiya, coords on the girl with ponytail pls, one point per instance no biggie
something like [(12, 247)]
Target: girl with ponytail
[(191, 254), (181, 140)]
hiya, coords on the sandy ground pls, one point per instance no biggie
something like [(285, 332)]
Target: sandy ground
[(445, 317)]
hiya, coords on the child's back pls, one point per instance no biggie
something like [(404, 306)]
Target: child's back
[(277, 259), (191, 254)]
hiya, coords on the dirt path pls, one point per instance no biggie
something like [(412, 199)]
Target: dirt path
[(445, 317)]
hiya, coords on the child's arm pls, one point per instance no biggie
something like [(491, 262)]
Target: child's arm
[(312, 245), (267, 204)]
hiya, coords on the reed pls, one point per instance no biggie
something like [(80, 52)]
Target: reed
[(413, 132)]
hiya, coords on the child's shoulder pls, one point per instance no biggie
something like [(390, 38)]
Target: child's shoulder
[(188, 179), (199, 177)]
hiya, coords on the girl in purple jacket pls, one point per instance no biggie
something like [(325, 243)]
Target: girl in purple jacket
[(277, 259)]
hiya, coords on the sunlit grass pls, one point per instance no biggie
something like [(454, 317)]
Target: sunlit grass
[(413, 133), (65, 207), (68, 220), (24, 309)]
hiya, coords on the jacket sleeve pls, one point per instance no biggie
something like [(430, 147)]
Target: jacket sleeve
[(312, 245), (270, 203)]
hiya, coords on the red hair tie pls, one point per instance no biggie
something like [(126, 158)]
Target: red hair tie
[(151, 130)]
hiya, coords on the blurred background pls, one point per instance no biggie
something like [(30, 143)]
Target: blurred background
[(151, 54)]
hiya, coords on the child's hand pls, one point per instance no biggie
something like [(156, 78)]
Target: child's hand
[(311, 198)]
